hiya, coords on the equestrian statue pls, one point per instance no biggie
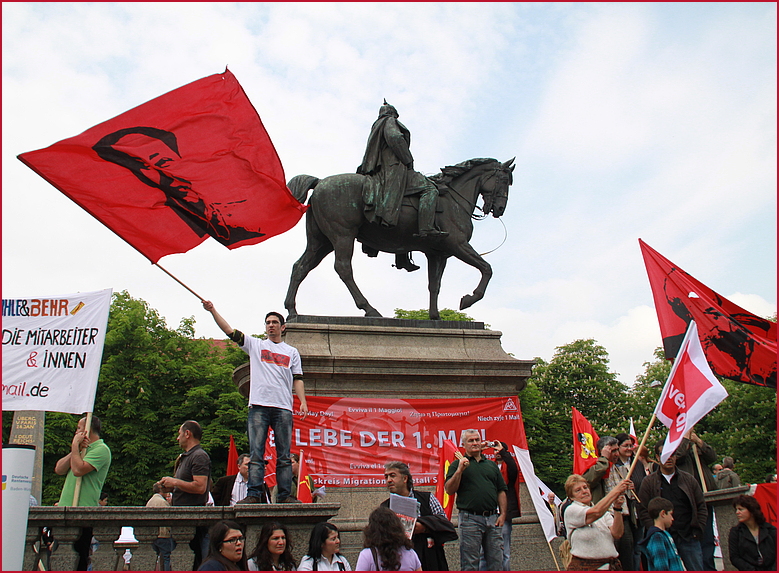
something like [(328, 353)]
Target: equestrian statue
[(388, 207)]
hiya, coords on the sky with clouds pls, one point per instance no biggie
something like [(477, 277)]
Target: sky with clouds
[(627, 121)]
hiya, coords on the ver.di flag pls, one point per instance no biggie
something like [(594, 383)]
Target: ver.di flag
[(690, 393), (585, 441), (738, 344), (193, 163)]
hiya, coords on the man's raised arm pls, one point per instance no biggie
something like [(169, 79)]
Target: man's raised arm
[(220, 322)]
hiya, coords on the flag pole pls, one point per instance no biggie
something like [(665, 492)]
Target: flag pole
[(77, 487), (643, 442), (700, 469), (178, 281), (556, 564)]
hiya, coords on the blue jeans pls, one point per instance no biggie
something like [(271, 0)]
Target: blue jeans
[(690, 552), (506, 532), (163, 547), (479, 533), (259, 420)]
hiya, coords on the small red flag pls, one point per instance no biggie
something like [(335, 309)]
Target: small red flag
[(232, 458), (585, 441), (690, 393), (738, 344), (270, 464), (305, 482), (765, 494), (446, 457), (192, 163)]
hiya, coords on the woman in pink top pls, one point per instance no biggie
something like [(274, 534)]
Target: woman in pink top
[(387, 548)]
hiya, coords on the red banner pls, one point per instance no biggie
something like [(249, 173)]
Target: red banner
[(347, 441), (189, 164), (738, 344), (585, 442)]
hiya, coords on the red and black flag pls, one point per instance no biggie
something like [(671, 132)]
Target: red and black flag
[(192, 163), (738, 344)]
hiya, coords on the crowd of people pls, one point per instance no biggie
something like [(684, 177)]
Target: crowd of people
[(651, 518), (656, 518)]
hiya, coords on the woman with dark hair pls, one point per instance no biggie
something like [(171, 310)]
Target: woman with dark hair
[(225, 548), (752, 542), (323, 550), (387, 548), (274, 549)]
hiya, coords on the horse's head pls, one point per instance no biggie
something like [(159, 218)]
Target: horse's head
[(494, 187)]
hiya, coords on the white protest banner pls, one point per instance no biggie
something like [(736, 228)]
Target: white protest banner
[(52, 350), (545, 516)]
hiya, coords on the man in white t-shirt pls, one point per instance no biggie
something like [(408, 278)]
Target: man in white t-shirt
[(275, 372)]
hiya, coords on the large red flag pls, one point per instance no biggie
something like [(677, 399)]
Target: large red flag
[(192, 163), (448, 448), (305, 482), (232, 458), (584, 443), (738, 344), (690, 393)]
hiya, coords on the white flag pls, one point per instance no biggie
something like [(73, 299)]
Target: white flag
[(690, 393), (544, 515)]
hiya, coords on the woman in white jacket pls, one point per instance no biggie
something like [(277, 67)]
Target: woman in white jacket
[(323, 547)]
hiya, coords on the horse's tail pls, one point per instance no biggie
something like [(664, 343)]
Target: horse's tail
[(300, 184)]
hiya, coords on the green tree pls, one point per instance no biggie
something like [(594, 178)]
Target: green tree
[(577, 375), (152, 379), (424, 314)]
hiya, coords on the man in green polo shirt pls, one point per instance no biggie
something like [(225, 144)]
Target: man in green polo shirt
[(89, 459), (482, 503)]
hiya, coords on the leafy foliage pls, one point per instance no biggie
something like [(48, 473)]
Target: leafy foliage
[(152, 379), (424, 314), (578, 375)]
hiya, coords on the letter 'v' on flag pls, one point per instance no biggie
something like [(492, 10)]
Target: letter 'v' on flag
[(189, 164), (691, 392)]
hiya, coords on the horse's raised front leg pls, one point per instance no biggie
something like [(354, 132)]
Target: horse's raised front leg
[(435, 270), (468, 255), (344, 248), (317, 248)]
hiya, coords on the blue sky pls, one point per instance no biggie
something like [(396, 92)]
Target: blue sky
[(641, 120)]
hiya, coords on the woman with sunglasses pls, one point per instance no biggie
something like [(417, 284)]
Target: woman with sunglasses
[(225, 548)]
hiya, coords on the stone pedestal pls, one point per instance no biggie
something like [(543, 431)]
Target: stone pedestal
[(392, 358), (387, 358)]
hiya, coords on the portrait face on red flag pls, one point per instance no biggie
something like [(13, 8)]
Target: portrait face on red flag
[(738, 344), (192, 163)]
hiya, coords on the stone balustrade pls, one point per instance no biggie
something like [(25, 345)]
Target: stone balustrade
[(107, 522), (529, 548)]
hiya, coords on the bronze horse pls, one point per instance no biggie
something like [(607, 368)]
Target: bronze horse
[(335, 219)]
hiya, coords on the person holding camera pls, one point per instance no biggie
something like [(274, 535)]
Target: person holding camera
[(482, 503)]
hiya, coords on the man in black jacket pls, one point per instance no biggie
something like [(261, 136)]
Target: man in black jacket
[(690, 513), (433, 528), (229, 490)]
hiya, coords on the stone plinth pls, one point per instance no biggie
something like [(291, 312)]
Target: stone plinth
[(385, 357), (391, 358)]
